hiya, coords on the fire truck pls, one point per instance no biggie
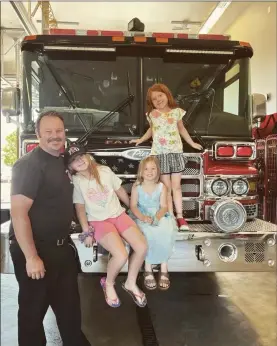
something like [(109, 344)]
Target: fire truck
[(97, 80), (265, 134)]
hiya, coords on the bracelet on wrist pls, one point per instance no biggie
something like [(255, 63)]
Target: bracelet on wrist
[(84, 235)]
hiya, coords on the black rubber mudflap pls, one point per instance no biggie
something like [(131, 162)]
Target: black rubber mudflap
[(147, 330)]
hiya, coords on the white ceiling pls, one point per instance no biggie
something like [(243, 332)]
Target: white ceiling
[(156, 16)]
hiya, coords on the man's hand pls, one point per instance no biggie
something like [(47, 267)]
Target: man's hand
[(35, 267)]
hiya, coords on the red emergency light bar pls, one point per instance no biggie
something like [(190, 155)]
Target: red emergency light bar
[(79, 32), (239, 151)]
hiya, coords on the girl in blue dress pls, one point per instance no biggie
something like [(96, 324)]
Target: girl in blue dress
[(149, 206)]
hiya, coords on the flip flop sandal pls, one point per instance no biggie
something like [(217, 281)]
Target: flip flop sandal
[(113, 303), (135, 296), (150, 284), (166, 281)]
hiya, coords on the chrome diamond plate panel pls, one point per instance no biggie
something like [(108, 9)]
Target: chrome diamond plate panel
[(251, 227)]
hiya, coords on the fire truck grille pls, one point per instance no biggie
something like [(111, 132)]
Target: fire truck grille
[(271, 166), (193, 165), (122, 165), (190, 187), (251, 210), (190, 210), (254, 252)]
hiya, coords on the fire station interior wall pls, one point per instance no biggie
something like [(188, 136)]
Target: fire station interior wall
[(257, 25)]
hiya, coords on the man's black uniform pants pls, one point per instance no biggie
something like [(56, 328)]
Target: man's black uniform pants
[(58, 289)]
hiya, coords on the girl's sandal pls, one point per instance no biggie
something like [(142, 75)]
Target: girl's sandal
[(139, 299), (150, 284), (164, 284), (113, 303)]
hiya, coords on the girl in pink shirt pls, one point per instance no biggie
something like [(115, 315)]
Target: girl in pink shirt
[(96, 195)]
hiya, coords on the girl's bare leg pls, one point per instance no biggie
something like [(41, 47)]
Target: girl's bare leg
[(112, 242), (137, 241), (165, 178), (177, 193)]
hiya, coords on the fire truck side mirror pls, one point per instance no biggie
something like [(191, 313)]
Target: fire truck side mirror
[(10, 102), (259, 106)]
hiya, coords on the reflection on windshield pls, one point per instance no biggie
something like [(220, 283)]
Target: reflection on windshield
[(93, 88), (214, 96)]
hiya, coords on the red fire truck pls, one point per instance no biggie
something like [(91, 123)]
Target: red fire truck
[(98, 81), (265, 134)]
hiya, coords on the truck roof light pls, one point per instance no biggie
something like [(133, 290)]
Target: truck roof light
[(86, 49), (194, 51), (30, 38), (77, 32)]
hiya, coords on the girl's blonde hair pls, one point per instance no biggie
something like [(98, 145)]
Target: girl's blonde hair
[(163, 89), (141, 168), (93, 169)]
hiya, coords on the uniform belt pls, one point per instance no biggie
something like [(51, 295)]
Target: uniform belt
[(56, 242)]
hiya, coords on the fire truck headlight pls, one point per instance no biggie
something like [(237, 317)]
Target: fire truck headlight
[(228, 216), (240, 187), (219, 187)]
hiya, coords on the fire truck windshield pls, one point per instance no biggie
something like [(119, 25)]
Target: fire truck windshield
[(215, 96)]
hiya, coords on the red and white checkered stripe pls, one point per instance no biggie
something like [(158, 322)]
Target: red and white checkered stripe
[(79, 32)]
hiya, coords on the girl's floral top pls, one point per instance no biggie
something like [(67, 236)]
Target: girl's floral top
[(166, 137)]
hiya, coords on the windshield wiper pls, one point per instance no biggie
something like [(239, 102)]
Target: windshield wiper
[(64, 90), (197, 97), (128, 100), (205, 89)]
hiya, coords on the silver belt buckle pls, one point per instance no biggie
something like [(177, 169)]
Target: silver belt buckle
[(60, 242)]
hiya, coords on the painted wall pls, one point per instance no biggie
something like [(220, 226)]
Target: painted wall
[(257, 25)]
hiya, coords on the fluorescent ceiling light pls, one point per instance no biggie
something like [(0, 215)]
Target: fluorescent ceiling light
[(214, 17)]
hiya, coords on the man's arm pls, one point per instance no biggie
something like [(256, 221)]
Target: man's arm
[(20, 206), (26, 182)]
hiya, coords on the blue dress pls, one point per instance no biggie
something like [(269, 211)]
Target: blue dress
[(160, 238)]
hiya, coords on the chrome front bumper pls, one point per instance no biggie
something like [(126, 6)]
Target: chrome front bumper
[(199, 250)]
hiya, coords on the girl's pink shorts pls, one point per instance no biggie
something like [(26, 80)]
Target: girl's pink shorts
[(117, 224)]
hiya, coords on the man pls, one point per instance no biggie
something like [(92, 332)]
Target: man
[(44, 263)]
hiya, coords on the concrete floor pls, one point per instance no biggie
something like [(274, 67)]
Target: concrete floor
[(224, 309)]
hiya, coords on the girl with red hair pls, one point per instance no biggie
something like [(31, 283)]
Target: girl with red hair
[(166, 129)]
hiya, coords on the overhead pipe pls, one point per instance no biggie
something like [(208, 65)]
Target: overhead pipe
[(22, 15)]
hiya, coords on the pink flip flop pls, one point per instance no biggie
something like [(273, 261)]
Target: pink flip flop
[(135, 297), (113, 303)]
